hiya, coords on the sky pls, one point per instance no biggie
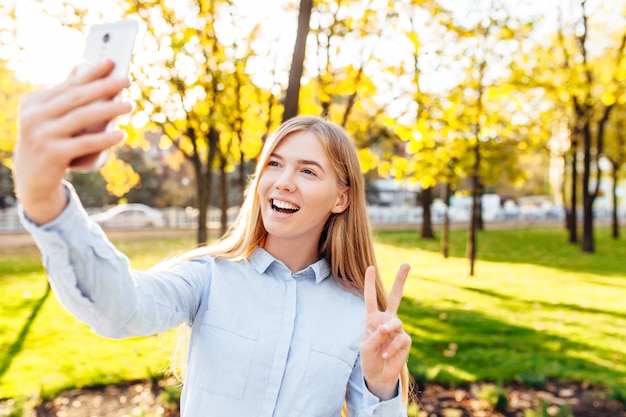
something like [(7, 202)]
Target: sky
[(50, 50)]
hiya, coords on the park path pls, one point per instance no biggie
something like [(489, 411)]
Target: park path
[(10, 241)]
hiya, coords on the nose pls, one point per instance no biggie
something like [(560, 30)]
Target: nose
[(284, 181)]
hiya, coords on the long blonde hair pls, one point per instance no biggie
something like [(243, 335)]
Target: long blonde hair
[(346, 241)]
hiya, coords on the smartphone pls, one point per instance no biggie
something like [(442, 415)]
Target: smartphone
[(114, 41)]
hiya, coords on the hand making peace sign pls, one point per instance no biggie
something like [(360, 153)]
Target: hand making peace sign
[(385, 345)]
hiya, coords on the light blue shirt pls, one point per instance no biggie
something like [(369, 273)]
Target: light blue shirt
[(264, 342)]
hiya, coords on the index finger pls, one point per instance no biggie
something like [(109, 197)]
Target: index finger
[(393, 301), (369, 290), (80, 74)]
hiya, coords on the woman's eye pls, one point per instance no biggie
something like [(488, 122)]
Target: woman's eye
[(308, 171), (272, 164)]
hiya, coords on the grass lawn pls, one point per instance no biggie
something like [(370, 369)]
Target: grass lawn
[(536, 308)]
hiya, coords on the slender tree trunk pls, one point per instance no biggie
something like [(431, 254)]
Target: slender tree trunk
[(202, 188), (471, 237), (573, 215), (480, 222), (297, 62), (205, 189), (614, 218), (238, 128), (591, 161), (445, 229), (588, 243), (427, 223), (224, 196), (242, 178), (564, 193), (202, 191)]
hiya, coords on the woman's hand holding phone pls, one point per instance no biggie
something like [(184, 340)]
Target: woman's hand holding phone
[(54, 131), (70, 125)]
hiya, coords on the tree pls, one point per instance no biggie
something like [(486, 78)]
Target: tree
[(609, 97), (595, 86), (297, 64), (615, 153), (476, 122), (421, 135), (189, 90), (11, 89)]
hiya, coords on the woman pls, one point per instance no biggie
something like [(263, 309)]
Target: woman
[(288, 314)]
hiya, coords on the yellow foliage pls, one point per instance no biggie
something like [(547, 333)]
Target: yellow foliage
[(251, 148), (368, 159), (135, 138), (415, 145), (414, 41), (11, 91), (384, 169), (120, 177), (174, 160), (310, 107), (404, 132), (608, 98), (164, 142), (400, 167)]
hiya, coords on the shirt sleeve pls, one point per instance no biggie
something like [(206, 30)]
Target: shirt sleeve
[(95, 283), (362, 403)]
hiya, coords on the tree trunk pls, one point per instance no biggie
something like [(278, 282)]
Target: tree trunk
[(224, 196), (471, 236), (588, 244), (589, 195), (205, 188), (614, 218), (242, 179), (202, 190), (573, 216), (427, 223), (480, 222), (445, 239), (297, 62)]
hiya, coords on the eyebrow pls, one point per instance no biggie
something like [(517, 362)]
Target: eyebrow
[(301, 161)]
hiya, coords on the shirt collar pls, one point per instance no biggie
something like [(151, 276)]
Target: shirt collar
[(262, 259)]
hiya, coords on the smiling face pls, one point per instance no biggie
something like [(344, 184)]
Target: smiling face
[(298, 191)]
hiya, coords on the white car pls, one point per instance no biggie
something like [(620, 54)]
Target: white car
[(133, 215)]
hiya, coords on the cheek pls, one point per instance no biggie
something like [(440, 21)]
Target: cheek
[(264, 184)]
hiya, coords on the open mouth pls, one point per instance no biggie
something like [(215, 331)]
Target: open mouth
[(284, 206)]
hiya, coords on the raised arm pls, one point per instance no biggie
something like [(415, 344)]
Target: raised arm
[(59, 125)]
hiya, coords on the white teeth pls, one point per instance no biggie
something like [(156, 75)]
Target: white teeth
[(284, 205)]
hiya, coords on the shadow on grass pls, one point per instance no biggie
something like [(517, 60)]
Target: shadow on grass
[(530, 304), (455, 345), (15, 347), (543, 247)]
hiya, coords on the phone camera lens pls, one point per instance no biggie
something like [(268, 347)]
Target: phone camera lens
[(106, 37)]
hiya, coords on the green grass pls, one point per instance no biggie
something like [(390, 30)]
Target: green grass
[(44, 350), (536, 308)]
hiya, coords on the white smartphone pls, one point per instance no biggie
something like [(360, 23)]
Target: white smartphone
[(114, 41)]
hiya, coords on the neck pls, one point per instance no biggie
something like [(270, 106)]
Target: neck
[(296, 254)]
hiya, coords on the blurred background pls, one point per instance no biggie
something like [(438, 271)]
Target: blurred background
[(468, 115), (483, 110)]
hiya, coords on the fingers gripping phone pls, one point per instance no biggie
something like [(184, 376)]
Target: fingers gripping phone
[(114, 41)]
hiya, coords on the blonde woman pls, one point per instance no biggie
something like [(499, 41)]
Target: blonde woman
[(288, 314)]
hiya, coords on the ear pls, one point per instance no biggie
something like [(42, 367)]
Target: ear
[(343, 201)]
